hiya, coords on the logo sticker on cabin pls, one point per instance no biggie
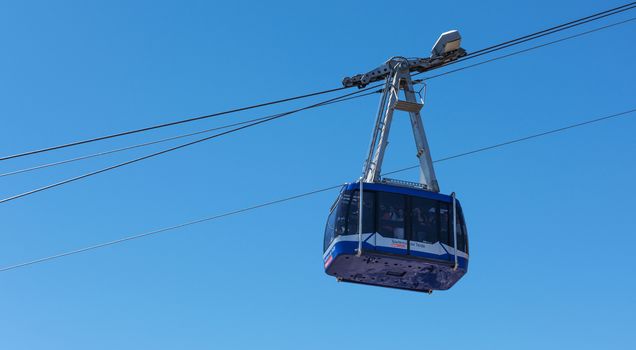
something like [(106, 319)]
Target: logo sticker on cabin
[(398, 244)]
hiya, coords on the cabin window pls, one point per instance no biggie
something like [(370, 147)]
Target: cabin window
[(391, 215), (424, 220), (337, 220), (330, 228), (445, 229), (461, 231), (368, 217)]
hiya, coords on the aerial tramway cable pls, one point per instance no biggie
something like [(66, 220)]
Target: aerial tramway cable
[(477, 53), (116, 150), (151, 155), (305, 194)]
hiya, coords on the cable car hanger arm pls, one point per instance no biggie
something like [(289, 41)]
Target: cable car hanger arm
[(397, 73), (446, 49)]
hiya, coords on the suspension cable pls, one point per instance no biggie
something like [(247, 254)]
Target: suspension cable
[(557, 28), (298, 196), (477, 53), (98, 154), (541, 33), (529, 49), (149, 143), (151, 155), (159, 126)]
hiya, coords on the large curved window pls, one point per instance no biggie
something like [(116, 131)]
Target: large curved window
[(368, 216), (397, 216), (337, 220), (391, 215), (424, 220), (462, 241), (330, 229), (445, 220)]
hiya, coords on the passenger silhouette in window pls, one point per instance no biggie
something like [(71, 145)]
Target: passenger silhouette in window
[(391, 223), (424, 220), (368, 216)]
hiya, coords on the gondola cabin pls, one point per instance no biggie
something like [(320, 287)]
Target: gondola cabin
[(407, 238)]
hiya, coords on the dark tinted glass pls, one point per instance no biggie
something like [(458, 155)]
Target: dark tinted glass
[(368, 217), (330, 228), (445, 229), (337, 220), (391, 215), (424, 220), (462, 235), (341, 217)]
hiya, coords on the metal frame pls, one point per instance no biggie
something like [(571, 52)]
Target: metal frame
[(446, 49), (360, 208), (399, 81), (455, 231)]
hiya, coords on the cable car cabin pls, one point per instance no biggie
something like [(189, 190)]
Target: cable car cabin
[(407, 238)]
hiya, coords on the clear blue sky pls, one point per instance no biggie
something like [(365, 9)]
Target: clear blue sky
[(551, 220)]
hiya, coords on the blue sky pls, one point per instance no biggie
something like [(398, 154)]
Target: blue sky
[(550, 220)]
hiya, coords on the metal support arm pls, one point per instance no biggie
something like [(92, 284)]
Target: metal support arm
[(397, 74), (446, 49), (399, 80)]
